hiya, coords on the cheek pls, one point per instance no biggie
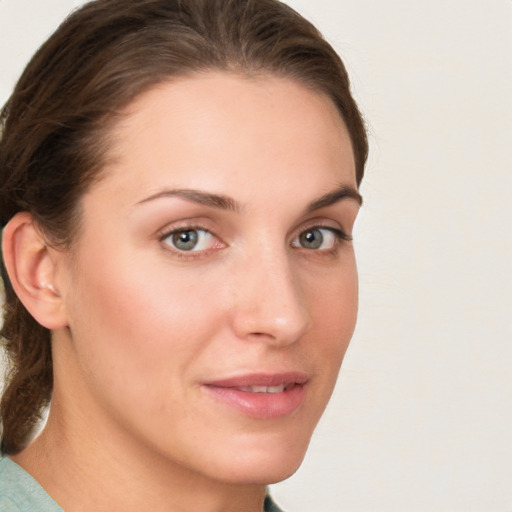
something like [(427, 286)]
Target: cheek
[(333, 305), (137, 328), (333, 299)]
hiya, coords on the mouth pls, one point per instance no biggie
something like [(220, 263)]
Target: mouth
[(264, 396)]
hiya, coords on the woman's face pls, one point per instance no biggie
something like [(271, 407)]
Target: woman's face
[(212, 290)]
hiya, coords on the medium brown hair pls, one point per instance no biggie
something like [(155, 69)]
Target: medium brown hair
[(55, 126)]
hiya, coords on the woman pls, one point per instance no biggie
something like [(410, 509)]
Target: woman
[(179, 185)]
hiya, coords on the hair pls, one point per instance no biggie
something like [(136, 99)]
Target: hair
[(55, 127)]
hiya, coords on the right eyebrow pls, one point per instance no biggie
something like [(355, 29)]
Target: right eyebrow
[(197, 196)]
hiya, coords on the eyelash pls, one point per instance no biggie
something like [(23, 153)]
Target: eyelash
[(340, 238)]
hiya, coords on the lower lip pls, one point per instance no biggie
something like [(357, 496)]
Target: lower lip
[(260, 405)]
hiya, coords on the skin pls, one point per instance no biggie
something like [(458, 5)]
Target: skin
[(142, 325)]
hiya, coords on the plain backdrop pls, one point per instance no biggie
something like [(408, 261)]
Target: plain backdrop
[(422, 416)]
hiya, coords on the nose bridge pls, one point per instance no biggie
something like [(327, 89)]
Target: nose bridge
[(269, 300)]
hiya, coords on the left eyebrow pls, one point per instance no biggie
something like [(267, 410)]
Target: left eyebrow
[(342, 192)]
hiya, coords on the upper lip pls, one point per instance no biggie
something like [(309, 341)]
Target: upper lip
[(261, 379)]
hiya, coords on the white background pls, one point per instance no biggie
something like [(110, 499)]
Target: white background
[(422, 417)]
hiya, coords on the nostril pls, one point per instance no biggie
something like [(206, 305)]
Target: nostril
[(260, 335)]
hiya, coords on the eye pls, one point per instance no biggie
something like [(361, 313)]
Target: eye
[(318, 238), (190, 240)]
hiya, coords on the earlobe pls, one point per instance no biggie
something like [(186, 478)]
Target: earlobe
[(32, 271)]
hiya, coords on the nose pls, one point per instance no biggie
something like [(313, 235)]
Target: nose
[(269, 303)]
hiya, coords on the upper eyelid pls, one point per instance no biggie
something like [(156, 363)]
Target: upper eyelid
[(184, 225), (331, 224)]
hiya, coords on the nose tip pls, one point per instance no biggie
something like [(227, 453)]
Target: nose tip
[(265, 322), (271, 308)]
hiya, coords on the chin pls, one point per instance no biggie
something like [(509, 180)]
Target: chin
[(268, 466), (264, 474), (273, 475)]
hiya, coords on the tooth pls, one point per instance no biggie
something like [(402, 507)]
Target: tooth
[(264, 389), (255, 389), (275, 389)]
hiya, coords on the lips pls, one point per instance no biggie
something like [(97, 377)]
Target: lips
[(264, 396)]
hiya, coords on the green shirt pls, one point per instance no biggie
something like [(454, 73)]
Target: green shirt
[(19, 492)]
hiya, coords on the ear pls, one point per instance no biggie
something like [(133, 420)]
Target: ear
[(31, 266)]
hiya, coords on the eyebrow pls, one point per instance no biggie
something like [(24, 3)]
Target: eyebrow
[(342, 192), (227, 203), (197, 196)]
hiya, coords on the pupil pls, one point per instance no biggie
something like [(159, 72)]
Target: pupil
[(185, 240), (312, 239)]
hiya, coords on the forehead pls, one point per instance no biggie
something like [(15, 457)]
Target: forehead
[(219, 131)]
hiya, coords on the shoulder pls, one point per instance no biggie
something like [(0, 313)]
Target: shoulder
[(19, 492), (270, 505)]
